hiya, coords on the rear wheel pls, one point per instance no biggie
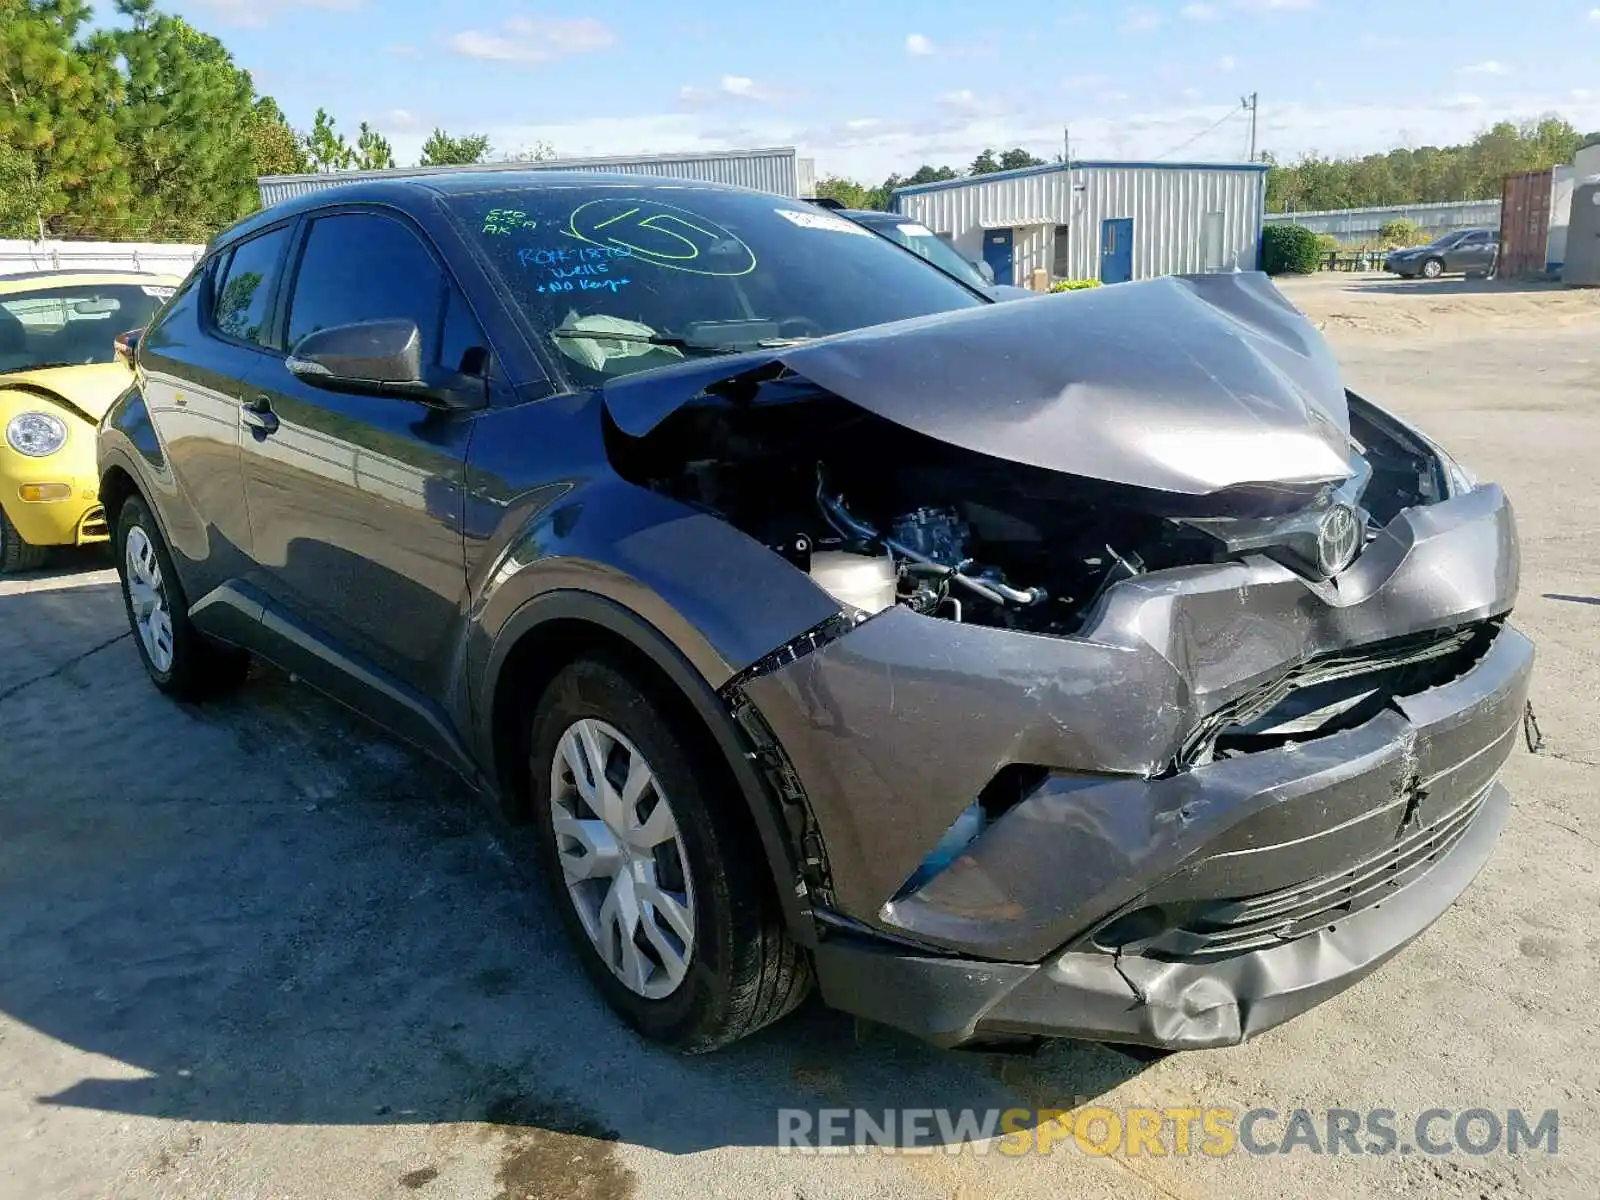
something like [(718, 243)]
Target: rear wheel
[(179, 659), (17, 555), (1433, 268), (658, 881)]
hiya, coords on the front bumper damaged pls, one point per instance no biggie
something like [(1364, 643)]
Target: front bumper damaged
[(1129, 896)]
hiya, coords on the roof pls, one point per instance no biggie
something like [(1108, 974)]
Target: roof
[(1078, 164), (28, 280), (544, 167)]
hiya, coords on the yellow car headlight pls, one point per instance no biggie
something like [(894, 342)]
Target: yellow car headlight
[(36, 434)]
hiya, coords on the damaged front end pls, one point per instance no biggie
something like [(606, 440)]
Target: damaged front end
[(1169, 682)]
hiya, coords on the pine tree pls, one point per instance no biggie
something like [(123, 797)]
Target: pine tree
[(56, 131), (373, 152), (326, 147)]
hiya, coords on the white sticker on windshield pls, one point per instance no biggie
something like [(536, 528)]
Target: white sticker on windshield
[(821, 220), (160, 293), (915, 230)]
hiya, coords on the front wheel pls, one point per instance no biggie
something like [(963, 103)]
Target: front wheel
[(658, 880), (1432, 269), (179, 659)]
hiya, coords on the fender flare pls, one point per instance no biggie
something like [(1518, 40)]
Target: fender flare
[(570, 604)]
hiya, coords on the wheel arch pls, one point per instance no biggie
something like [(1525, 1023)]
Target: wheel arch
[(550, 631)]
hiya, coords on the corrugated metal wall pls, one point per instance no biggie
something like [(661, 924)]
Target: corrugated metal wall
[(1169, 206), (1362, 224), (158, 258), (773, 170)]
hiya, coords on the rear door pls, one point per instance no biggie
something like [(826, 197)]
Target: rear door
[(355, 500), (196, 364)]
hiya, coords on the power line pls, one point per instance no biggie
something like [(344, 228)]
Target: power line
[(1227, 116)]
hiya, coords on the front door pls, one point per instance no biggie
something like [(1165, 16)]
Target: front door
[(1116, 250), (997, 253), (197, 362), (355, 500)]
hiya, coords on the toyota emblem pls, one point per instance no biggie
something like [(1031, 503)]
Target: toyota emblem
[(1338, 539)]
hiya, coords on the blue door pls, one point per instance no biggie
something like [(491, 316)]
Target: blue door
[(997, 253), (1116, 250)]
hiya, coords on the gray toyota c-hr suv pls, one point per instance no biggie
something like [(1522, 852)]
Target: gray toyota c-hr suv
[(1096, 666)]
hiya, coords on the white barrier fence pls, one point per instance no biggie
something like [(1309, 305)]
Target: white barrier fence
[(160, 258)]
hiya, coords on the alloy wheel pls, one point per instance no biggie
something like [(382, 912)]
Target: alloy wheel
[(622, 858), (147, 597)]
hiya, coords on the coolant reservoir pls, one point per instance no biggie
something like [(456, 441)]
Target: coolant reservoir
[(864, 581)]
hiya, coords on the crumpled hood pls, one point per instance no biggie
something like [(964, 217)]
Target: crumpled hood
[(90, 388), (1182, 384)]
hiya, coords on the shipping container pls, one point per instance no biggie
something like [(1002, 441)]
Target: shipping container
[(1111, 221), (776, 170), (1535, 210)]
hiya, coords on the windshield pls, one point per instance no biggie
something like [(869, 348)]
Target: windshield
[(1448, 240), (919, 239), (69, 325), (633, 276)]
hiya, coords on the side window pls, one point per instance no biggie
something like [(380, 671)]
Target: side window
[(365, 267), (241, 288)]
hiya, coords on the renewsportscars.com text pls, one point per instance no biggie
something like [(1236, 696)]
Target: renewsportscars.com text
[(1159, 1132)]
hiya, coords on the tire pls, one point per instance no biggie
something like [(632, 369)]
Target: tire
[(741, 971), (17, 555), (179, 659), (1432, 268)]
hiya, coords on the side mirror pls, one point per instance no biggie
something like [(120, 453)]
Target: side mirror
[(127, 344), (379, 358), (985, 270)]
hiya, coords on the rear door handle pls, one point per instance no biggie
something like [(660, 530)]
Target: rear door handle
[(259, 416)]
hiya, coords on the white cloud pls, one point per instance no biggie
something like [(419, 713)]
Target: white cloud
[(1112, 97), (1190, 94), (1487, 67), (1199, 12), (399, 120), (1276, 5), (253, 14), (1142, 21), (868, 147), (534, 39), (1581, 94), (1227, 63), (729, 87), (1594, 14), (1082, 83), (918, 46), (1462, 102)]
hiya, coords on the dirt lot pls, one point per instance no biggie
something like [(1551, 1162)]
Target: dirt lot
[(254, 950)]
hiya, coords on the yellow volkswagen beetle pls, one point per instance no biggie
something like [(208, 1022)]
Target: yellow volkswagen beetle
[(61, 366)]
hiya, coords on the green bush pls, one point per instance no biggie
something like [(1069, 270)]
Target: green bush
[(1289, 250), (1073, 285), (1400, 232), (1327, 243)]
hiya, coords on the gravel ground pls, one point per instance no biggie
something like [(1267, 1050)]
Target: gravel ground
[(256, 950)]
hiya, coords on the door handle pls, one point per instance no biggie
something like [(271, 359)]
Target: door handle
[(259, 416)]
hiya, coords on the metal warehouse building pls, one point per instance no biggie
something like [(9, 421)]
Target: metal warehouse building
[(776, 170), (1112, 221)]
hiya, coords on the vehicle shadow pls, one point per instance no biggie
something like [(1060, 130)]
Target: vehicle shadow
[(263, 911)]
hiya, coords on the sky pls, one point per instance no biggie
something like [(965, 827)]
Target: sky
[(867, 88)]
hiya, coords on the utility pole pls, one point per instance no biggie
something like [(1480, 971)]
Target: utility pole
[(1251, 102), (1066, 146)]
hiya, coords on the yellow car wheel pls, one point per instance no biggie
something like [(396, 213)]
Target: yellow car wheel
[(15, 554)]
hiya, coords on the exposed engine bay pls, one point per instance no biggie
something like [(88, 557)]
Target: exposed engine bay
[(880, 515)]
